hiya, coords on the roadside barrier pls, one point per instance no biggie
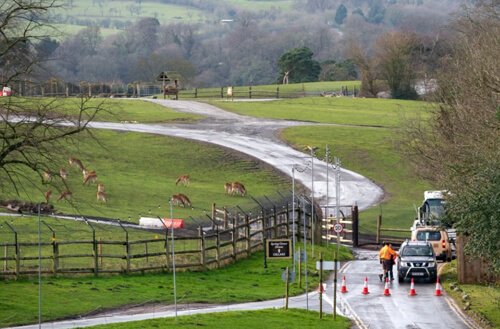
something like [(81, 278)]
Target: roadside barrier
[(322, 287), (386, 290), (365, 288), (438, 288), (412, 289), (343, 289)]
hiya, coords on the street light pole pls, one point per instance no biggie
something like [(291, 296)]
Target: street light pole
[(293, 216), (173, 257), (313, 149)]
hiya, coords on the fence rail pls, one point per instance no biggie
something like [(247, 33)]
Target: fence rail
[(234, 236), (56, 88)]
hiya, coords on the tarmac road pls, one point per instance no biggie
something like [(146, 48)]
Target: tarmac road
[(257, 137)]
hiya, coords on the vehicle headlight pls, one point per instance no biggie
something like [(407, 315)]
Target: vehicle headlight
[(432, 264)]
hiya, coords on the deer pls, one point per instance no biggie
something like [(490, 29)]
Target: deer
[(238, 188), (100, 187), (85, 172), (90, 178), (102, 196), (75, 162), (48, 194), (65, 195), (177, 200), (64, 173), (184, 179), (185, 199), (48, 176), (227, 187)]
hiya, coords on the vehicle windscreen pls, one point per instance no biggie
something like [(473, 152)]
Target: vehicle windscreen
[(434, 209), (417, 251), (428, 235)]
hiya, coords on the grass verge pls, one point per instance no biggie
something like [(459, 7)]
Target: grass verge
[(245, 281), (480, 301), (268, 318)]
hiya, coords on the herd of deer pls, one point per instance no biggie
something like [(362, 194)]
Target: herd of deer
[(181, 199), (88, 177)]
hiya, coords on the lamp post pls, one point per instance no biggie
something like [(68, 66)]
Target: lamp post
[(313, 149), (173, 257)]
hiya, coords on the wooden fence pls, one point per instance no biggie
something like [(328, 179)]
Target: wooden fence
[(472, 269), (233, 236), (56, 88)]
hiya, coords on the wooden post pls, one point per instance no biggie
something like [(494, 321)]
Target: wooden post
[(303, 91), (235, 236), (100, 252), (55, 257), (321, 284), (250, 92), (300, 269), (146, 251), (42, 89), (277, 92), (5, 261), (90, 90), (218, 248), (202, 250), (222, 92), (355, 226), (275, 224), (247, 237), (379, 223), (263, 228), (196, 93), (225, 218), (287, 288), (166, 250), (67, 91), (95, 253), (18, 259), (213, 216)]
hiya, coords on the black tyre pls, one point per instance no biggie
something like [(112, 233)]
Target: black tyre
[(400, 279)]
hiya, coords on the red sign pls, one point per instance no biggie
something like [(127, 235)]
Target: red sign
[(178, 223)]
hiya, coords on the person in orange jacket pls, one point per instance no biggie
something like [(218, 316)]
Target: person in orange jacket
[(385, 256)]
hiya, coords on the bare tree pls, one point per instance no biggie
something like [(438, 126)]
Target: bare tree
[(34, 133), (367, 69), (396, 52)]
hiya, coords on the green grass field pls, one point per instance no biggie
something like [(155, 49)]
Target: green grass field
[(247, 280), (278, 318)]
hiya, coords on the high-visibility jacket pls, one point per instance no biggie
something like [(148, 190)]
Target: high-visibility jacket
[(386, 252)]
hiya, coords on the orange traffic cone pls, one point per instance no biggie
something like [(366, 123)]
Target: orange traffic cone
[(322, 287), (365, 288), (412, 289), (386, 290), (438, 288), (343, 288)]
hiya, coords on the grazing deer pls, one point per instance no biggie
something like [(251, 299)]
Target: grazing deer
[(48, 194), (184, 199), (238, 188), (100, 187), (102, 196), (85, 172), (184, 179), (75, 162), (227, 187), (64, 173), (90, 178), (65, 195), (177, 200), (48, 176)]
